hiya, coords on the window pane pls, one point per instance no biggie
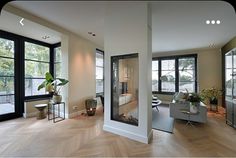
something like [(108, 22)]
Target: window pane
[(154, 80), (6, 67), (57, 68), (155, 75), (6, 85), (190, 86), (228, 82), (168, 64), (154, 85), (99, 73), (36, 52), (7, 104), (99, 86), (167, 86), (186, 63), (187, 75), (228, 61), (31, 87), (169, 74), (6, 48), (36, 69), (57, 54), (155, 65), (99, 59)]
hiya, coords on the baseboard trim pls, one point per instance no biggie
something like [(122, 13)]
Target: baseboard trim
[(31, 114), (74, 114), (128, 134), (71, 115)]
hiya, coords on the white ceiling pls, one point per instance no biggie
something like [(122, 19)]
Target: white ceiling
[(176, 25), (181, 25), (11, 23)]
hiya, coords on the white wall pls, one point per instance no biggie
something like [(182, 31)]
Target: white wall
[(127, 31), (209, 68), (81, 72)]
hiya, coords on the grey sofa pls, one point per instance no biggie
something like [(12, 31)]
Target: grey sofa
[(175, 112)]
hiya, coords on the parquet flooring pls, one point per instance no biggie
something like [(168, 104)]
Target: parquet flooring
[(83, 136)]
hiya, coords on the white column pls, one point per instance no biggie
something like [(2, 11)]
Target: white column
[(128, 30)]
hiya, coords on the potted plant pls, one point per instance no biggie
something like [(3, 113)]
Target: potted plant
[(211, 94), (194, 99), (53, 86)]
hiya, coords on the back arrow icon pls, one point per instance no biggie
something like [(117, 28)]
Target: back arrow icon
[(21, 21)]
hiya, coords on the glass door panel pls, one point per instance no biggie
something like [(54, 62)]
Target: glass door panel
[(7, 77)]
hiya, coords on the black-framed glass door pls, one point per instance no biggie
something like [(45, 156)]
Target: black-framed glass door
[(9, 79)]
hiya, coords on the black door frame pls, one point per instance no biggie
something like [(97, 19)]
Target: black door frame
[(17, 78)]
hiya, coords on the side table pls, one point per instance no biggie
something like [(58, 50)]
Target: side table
[(187, 111), (41, 114), (56, 113)]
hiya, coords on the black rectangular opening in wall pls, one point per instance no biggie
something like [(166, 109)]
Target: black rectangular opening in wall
[(125, 88)]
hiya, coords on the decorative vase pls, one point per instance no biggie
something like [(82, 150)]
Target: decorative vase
[(91, 105), (193, 107), (57, 98)]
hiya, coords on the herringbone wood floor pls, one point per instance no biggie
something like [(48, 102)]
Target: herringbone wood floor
[(83, 136)]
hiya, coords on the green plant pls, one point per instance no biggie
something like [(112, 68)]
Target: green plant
[(52, 85), (194, 97), (211, 94)]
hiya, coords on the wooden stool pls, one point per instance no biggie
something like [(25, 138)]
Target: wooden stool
[(41, 114)]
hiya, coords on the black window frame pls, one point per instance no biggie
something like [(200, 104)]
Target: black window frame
[(99, 51), (51, 66), (176, 58), (19, 109), (20, 49), (54, 46)]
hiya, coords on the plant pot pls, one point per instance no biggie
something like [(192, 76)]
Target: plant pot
[(213, 101), (193, 107), (57, 98)]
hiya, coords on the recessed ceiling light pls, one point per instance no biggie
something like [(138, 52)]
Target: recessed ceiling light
[(213, 21), (212, 45), (218, 21), (92, 33), (45, 37), (208, 22)]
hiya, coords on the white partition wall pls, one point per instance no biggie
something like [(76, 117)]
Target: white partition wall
[(128, 30)]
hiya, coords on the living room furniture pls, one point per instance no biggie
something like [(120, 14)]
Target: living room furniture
[(175, 111), (155, 104), (55, 109), (189, 114), (41, 113)]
